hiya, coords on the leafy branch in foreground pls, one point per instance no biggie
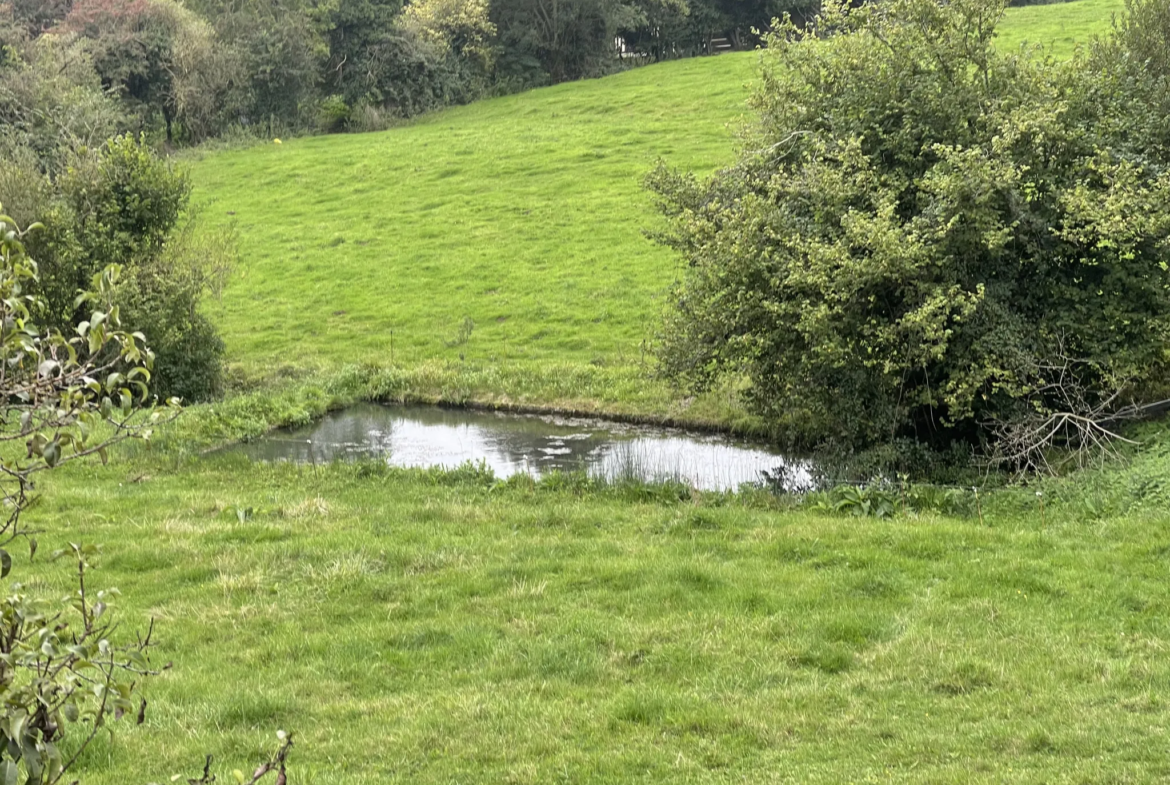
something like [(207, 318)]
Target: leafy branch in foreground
[(63, 671), (64, 668)]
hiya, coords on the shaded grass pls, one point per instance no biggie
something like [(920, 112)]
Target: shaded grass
[(504, 238), (431, 627)]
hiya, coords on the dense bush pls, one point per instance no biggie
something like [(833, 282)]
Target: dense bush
[(405, 62), (158, 57), (121, 204), (162, 300), (52, 99), (116, 204), (923, 235), (278, 55), (1133, 78)]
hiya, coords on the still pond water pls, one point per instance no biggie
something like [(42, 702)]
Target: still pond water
[(426, 436)]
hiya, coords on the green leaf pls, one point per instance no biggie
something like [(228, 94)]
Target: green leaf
[(56, 763), (32, 761), (8, 772), (16, 724)]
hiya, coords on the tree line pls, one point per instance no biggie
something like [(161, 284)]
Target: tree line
[(80, 71)]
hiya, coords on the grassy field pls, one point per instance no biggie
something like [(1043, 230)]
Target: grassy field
[(523, 215), (431, 628), (497, 247), (1059, 28)]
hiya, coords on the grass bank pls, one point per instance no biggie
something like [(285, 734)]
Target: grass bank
[(620, 394), (499, 246)]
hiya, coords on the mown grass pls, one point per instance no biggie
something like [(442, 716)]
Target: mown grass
[(503, 238), (428, 627)]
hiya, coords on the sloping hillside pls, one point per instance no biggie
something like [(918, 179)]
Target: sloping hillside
[(1059, 28), (510, 231), (524, 214)]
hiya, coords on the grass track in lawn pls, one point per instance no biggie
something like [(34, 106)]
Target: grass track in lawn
[(521, 218), (410, 628)]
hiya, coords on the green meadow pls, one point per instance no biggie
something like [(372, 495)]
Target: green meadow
[(499, 248), (430, 627), (1060, 30), (506, 235), (448, 627)]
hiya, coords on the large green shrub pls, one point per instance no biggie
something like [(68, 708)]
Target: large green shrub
[(158, 57), (162, 299), (114, 205), (122, 204), (279, 56), (923, 235), (1132, 76)]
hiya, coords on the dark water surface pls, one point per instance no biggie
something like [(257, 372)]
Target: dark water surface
[(512, 443)]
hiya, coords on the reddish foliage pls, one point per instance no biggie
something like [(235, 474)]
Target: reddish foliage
[(93, 17)]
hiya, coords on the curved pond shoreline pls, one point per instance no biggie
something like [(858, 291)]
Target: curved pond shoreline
[(510, 443), (745, 430)]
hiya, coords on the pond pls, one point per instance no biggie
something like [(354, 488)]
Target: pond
[(428, 436)]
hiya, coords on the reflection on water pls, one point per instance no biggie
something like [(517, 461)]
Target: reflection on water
[(510, 443)]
